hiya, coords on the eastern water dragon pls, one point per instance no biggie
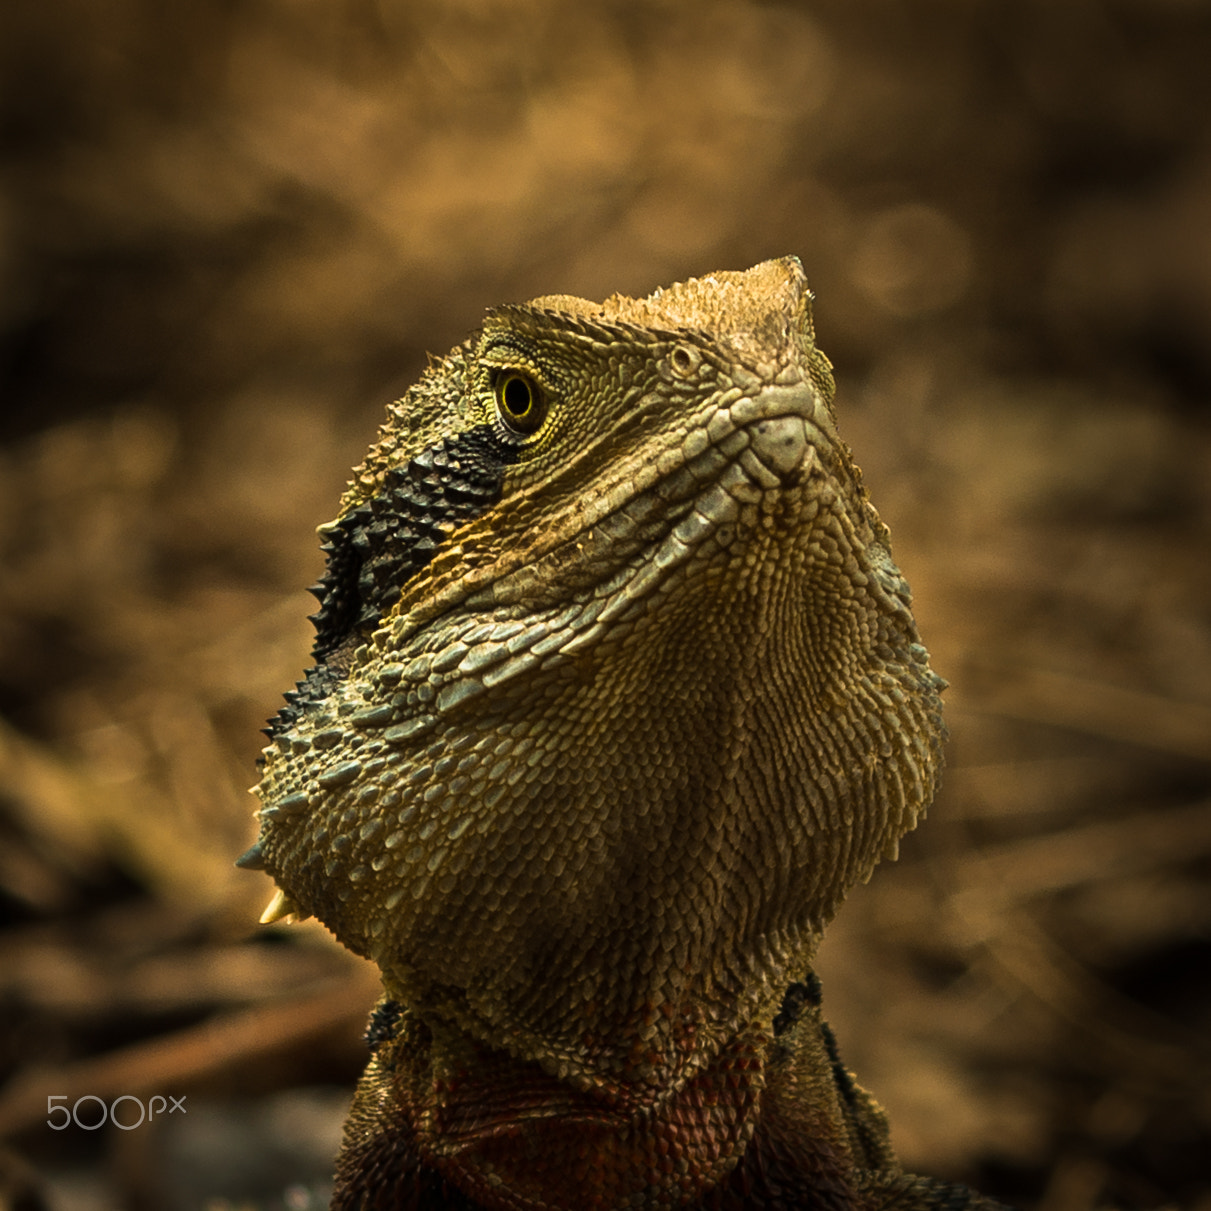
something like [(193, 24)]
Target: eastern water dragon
[(617, 692)]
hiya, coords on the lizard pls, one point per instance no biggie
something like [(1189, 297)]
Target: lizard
[(617, 692)]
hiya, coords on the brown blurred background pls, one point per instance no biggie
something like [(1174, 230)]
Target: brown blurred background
[(229, 232)]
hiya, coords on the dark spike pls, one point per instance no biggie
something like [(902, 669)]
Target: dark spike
[(251, 859)]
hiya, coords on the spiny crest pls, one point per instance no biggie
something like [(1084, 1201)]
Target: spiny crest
[(762, 307)]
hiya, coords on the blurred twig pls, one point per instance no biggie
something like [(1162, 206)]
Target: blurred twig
[(1099, 708), (274, 1028)]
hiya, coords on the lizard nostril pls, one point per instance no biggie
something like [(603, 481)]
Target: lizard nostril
[(781, 443)]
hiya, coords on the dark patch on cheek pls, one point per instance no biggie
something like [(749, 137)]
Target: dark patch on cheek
[(383, 1022), (377, 547), (318, 682), (795, 1001)]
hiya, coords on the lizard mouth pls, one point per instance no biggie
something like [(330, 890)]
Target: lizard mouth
[(560, 587), (769, 440), (562, 595), (732, 455)]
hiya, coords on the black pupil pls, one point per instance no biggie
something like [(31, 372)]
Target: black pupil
[(517, 395)]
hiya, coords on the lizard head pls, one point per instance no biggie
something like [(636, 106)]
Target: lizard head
[(617, 690)]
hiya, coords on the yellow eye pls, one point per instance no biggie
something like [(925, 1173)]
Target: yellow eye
[(519, 402)]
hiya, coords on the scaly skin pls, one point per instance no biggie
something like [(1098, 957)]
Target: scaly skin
[(617, 693)]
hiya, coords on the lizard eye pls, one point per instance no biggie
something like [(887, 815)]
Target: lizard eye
[(520, 403)]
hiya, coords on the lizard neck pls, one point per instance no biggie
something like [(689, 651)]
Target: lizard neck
[(511, 1136), (441, 1120)]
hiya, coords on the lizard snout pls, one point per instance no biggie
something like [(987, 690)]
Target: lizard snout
[(781, 443)]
